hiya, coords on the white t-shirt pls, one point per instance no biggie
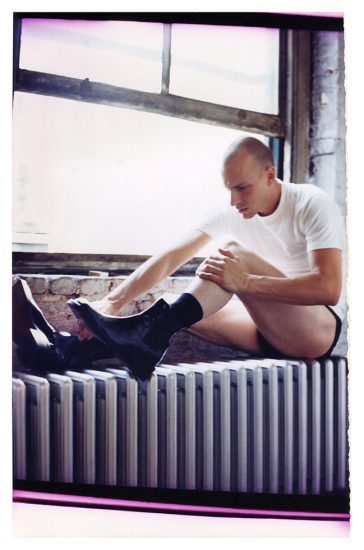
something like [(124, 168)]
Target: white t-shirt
[(306, 219)]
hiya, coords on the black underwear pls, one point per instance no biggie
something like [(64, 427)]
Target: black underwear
[(269, 351)]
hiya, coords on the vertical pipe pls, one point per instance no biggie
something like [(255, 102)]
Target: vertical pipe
[(166, 57), (302, 428)]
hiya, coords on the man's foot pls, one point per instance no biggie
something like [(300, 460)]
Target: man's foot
[(133, 339)]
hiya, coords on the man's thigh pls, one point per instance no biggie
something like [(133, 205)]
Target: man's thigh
[(231, 326), (295, 330)]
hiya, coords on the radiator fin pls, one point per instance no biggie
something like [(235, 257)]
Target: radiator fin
[(250, 425)]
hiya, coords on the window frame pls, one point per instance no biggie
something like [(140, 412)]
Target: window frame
[(288, 131), (163, 103)]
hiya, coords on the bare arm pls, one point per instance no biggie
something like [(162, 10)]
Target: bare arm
[(148, 275), (321, 286), (153, 271)]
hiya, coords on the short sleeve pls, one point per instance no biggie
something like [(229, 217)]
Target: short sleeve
[(214, 223), (322, 223)]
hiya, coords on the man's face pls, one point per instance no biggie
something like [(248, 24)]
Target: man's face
[(248, 183)]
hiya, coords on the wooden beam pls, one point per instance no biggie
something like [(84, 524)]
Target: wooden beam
[(300, 115), (81, 264), (282, 77), (163, 104)]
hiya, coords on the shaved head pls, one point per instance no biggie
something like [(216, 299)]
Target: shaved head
[(249, 175), (261, 153)]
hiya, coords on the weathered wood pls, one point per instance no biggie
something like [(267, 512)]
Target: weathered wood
[(166, 57), (82, 264), (163, 104), (287, 146), (282, 78), (301, 97)]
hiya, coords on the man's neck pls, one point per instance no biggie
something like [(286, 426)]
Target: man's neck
[(275, 200)]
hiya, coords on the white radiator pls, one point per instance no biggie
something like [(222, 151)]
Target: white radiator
[(249, 426)]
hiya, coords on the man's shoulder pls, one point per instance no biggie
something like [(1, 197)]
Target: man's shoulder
[(306, 196), (303, 190), (312, 207)]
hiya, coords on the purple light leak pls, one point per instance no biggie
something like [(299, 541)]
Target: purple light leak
[(336, 14), (32, 496)]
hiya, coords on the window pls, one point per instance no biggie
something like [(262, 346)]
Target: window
[(215, 64), (120, 127), (122, 53)]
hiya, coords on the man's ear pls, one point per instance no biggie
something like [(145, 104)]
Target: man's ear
[(271, 173)]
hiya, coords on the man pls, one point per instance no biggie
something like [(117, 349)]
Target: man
[(283, 261)]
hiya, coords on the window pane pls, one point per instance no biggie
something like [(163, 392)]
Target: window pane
[(234, 66), (98, 179), (121, 53)]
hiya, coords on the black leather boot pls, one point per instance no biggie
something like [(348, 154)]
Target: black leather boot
[(138, 340), (33, 345), (40, 345), (76, 354), (25, 307)]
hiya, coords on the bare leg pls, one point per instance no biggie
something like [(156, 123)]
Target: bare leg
[(211, 296), (299, 331), (231, 326)]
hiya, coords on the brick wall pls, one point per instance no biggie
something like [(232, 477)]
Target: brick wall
[(51, 293)]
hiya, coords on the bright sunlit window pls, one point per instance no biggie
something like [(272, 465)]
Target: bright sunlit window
[(122, 53), (92, 178), (232, 66)]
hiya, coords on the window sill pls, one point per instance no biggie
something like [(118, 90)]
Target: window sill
[(86, 264)]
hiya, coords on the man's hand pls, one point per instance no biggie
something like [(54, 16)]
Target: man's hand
[(225, 270)]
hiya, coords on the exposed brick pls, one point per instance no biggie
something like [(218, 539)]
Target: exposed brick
[(94, 287), (63, 285), (113, 283), (38, 284), (178, 284)]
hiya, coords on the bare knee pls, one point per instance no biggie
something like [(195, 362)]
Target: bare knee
[(250, 261), (234, 246), (246, 256)]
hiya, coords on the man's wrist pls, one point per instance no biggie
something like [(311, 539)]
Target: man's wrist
[(251, 284)]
